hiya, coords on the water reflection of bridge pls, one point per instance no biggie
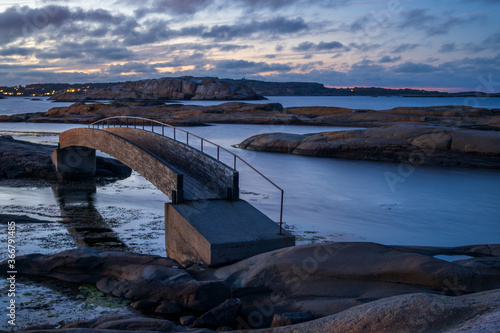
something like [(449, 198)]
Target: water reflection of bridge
[(83, 221), (206, 219)]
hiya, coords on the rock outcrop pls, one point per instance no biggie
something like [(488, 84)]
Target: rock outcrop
[(182, 88), (127, 275), (410, 143), (411, 313), (20, 159), (332, 277), (325, 279)]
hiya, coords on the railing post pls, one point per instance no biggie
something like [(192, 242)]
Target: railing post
[(152, 126), (187, 138), (234, 162), (202, 145), (174, 134), (162, 130), (143, 124), (218, 151)]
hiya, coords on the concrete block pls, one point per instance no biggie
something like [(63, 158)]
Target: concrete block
[(219, 232)]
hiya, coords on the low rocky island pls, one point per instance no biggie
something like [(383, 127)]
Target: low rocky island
[(411, 143)]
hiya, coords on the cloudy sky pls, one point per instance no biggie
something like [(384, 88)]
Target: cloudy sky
[(451, 45)]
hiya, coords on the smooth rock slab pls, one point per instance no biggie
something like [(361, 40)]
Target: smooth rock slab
[(291, 318), (329, 278), (410, 313)]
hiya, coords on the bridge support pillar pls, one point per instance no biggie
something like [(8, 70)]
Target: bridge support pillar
[(219, 232), (74, 163)]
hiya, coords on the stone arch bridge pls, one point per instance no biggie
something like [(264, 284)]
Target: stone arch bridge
[(206, 220)]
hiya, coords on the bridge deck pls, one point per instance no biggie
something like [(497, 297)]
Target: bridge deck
[(194, 190)]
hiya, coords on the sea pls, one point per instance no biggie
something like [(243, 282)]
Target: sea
[(326, 199)]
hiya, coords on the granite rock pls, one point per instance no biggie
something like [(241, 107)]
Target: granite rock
[(222, 315)]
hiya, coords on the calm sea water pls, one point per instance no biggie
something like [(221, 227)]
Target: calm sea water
[(15, 105), (325, 199), (373, 103)]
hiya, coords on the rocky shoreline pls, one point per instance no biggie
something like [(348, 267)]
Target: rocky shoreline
[(334, 287), (26, 160)]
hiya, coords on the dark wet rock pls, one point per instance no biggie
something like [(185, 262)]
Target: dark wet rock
[(6, 218), (126, 275), (187, 321), (144, 305), (128, 323), (167, 307), (224, 329), (291, 318), (222, 315), (488, 269), (480, 250), (182, 88), (21, 159), (110, 167)]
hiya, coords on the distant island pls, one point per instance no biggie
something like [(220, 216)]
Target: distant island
[(210, 88), (317, 89)]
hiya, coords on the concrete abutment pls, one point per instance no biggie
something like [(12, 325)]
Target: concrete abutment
[(219, 232), (74, 163)]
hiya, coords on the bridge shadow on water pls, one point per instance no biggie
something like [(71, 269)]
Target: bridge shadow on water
[(83, 221)]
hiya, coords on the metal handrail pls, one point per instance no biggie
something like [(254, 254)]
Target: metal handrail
[(107, 122)]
